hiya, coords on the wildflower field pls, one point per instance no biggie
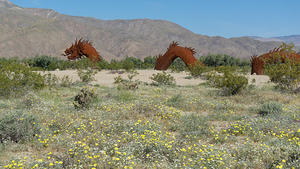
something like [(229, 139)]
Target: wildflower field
[(151, 127)]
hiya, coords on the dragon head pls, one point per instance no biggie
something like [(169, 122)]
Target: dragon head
[(74, 52)]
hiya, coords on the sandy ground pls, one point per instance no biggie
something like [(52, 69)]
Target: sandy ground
[(106, 77)]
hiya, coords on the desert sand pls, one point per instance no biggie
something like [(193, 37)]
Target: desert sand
[(106, 77)]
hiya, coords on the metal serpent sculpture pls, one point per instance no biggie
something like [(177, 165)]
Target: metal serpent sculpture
[(277, 55), (174, 51), (82, 48)]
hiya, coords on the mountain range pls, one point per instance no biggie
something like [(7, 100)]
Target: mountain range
[(27, 32), (295, 39)]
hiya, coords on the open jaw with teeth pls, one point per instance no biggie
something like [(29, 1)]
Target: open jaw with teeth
[(80, 49)]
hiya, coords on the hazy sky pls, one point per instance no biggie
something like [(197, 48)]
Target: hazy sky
[(228, 18)]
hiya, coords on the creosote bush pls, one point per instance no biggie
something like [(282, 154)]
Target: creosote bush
[(44, 62), (127, 84), (270, 108), (51, 80), (16, 78), (66, 81), (230, 83), (163, 79), (285, 75), (18, 127), (223, 60), (86, 76), (178, 65), (84, 98), (198, 69)]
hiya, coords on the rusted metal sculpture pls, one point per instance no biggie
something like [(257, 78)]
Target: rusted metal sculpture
[(174, 51), (277, 55), (82, 48)]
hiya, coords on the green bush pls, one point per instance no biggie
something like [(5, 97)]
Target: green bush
[(66, 81), (226, 69), (162, 79), (198, 69), (86, 76), (127, 84), (29, 100), (51, 80), (128, 65), (230, 83), (270, 108), (18, 127), (103, 64), (53, 63), (114, 65), (44, 62), (194, 125), (5, 61), (149, 62), (178, 65), (223, 60), (285, 75), (132, 63), (84, 98), (16, 78), (84, 63)]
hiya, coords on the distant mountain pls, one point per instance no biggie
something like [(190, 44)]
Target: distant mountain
[(28, 32), (287, 39), (292, 38), (6, 4)]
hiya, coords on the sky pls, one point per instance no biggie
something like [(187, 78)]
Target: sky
[(227, 18)]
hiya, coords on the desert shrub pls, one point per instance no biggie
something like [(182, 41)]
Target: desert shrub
[(84, 63), (114, 65), (103, 64), (29, 101), (17, 78), (223, 60), (5, 61), (132, 63), (286, 76), (229, 82), (198, 69), (193, 125), (178, 65), (127, 84), (53, 63), (175, 101), (51, 80), (44, 62), (84, 98), (149, 62), (245, 69), (162, 79), (127, 65), (270, 108), (87, 75), (226, 68), (18, 126), (66, 81)]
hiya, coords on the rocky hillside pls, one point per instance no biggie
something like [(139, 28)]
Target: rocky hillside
[(28, 32), (287, 39)]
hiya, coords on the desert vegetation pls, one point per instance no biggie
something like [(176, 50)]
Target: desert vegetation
[(225, 122)]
